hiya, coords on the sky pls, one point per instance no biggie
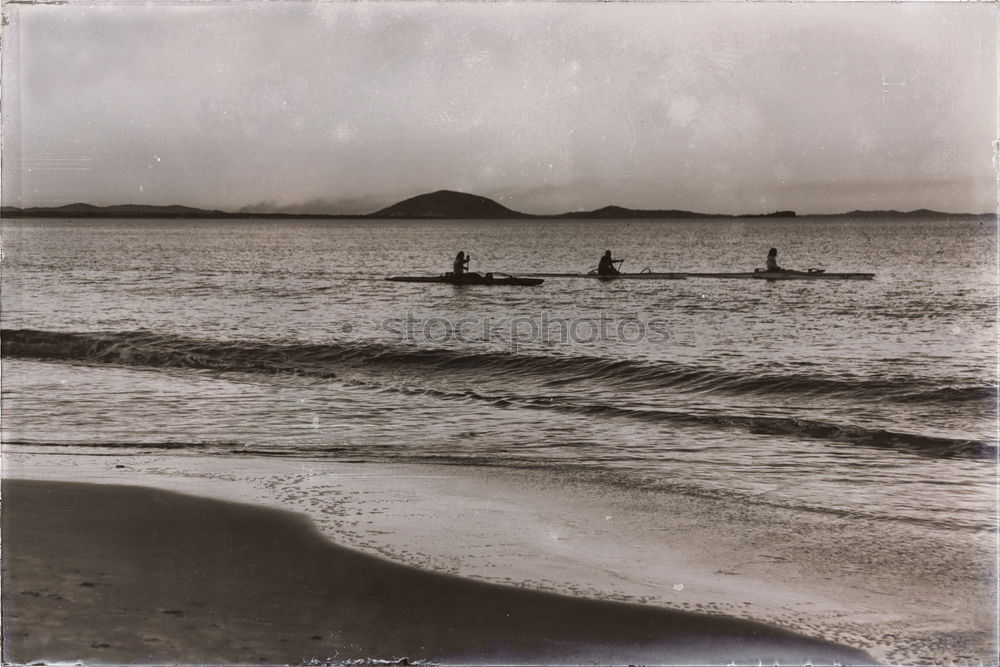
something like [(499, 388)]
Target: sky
[(337, 107)]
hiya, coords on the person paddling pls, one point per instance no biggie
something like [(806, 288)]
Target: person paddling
[(461, 264), (772, 261), (606, 267)]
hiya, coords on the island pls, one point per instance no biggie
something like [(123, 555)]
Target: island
[(442, 205)]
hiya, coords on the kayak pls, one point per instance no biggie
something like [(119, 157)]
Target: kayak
[(470, 279), (757, 275), (810, 275), (787, 275), (617, 276)]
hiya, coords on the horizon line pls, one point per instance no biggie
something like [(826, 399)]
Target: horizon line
[(198, 211)]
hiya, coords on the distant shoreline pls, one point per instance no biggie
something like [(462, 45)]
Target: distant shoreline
[(441, 205), (12, 212), (210, 215)]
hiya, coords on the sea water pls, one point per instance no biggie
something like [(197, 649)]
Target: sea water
[(281, 337), (864, 409)]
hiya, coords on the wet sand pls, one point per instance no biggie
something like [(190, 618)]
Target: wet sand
[(120, 574)]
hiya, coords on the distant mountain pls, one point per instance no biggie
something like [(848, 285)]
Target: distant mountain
[(118, 211), (443, 204), (448, 204), (622, 212), (919, 213), (660, 214)]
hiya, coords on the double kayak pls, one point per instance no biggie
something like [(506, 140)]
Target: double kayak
[(615, 276), (470, 279), (787, 274), (759, 274)]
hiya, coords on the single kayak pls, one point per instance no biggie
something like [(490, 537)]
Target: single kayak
[(786, 275), (615, 276), (470, 279)]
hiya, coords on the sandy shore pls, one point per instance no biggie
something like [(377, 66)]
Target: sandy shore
[(904, 594), (120, 574)]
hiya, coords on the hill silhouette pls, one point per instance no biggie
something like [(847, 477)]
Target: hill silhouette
[(119, 210), (622, 212), (447, 204), (892, 213), (442, 204)]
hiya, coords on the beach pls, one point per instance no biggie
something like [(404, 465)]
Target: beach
[(276, 554), (130, 575)]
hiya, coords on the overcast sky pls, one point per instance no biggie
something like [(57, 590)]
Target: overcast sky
[(547, 107)]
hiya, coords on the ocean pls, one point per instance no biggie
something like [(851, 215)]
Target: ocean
[(280, 339)]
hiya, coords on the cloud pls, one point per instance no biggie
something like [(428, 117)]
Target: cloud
[(320, 205), (651, 105), (682, 111)]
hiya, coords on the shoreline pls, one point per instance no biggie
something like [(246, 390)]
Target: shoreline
[(868, 585), (126, 574)]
